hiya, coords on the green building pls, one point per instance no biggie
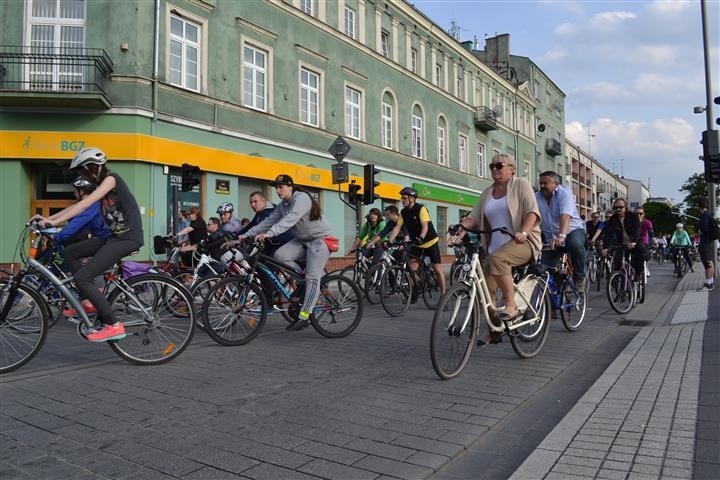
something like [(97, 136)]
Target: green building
[(247, 90)]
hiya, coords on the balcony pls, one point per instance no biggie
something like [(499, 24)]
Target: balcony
[(553, 147), (485, 119), (54, 77)]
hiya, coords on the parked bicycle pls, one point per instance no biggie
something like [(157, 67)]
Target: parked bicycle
[(155, 309), (457, 318)]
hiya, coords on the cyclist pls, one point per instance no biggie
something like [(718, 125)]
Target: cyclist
[(680, 240), (623, 228), (196, 232), (122, 214), (416, 220), (263, 208), (373, 225), (509, 203), (300, 212), (230, 225), (647, 234), (89, 223), (561, 225)]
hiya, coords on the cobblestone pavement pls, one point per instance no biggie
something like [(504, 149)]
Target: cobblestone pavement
[(287, 405)]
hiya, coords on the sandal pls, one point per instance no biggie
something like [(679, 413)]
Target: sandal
[(508, 316), (493, 338)]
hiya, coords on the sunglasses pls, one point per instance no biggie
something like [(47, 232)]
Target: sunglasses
[(620, 207), (499, 165)]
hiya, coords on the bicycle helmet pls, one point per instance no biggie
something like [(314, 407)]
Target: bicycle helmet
[(88, 155), (679, 225), (82, 184), (225, 207), (409, 191)]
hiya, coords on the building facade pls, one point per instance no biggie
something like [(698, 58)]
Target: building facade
[(246, 91)]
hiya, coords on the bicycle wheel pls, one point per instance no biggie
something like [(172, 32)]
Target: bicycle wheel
[(355, 273), (573, 306), (600, 274), (395, 290), (24, 328), (642, 285), (529, 339), (454, 332), (234, 311), (430, 288), (592, 269), (339, 308), (198, 292), (620, 293), (372, 283), (55, 302), (159, 319)]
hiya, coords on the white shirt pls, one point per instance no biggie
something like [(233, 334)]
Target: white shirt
[(498, 216)]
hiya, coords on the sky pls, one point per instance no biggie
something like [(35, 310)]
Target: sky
[(633, 69)]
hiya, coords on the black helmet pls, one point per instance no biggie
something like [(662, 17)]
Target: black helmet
[(82, 184), (409, 191)]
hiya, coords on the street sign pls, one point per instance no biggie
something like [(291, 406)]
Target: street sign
[(340, 172), (339, 148)]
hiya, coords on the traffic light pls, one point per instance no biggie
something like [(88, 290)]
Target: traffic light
[(717, 102), (190, 177), (711, 155), (353, 190), (369, 184)]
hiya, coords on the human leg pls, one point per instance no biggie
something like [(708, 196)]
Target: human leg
[(290, 253), (317, 255), (575, 245), (501, 262)]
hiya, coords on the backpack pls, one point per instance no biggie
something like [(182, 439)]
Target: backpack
[(714, 232)]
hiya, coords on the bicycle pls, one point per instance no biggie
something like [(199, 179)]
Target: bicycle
[(564, 296), (374, 275), (235, 308), (461, 265), (657, 254), (591, 264), (155, 309), (456, 321), (622, 288), (357, 272), (400, 285), (681, 266), (604, 269)]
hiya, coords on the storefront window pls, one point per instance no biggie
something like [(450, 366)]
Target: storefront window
[(53, 182)]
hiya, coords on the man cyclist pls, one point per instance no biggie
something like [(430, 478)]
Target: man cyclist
[(561, 225), (623, 229), (230, 225), (416, 220)]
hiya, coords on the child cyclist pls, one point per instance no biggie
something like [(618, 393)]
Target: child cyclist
[(122, 215)]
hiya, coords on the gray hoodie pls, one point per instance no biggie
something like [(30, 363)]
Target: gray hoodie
[(293, 213)]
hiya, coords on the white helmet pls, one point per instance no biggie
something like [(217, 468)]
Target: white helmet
[(224, 207), (88, 155), (679, 225), (232, 254)]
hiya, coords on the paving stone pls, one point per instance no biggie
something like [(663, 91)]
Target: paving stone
[(426, 445), (325, 469), (426, 459), (393, 468), (574, 469)]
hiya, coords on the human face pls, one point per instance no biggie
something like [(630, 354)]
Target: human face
[(640, 213), (284, 191), (502, 172), (391, 216), (372, 218), (407, 200), (547, 186), (257, 203), (212, 227), (619, 209), (595, 217), (225, 217)]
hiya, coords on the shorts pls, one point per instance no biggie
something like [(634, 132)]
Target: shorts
[(433, 251), (706, 252), (510, 255)]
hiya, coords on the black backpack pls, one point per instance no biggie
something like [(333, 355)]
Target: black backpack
[(714, 232)]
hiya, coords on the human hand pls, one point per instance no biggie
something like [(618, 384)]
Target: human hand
[(262, 237)]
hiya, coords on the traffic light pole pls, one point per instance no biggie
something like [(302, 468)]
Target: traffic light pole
[(356, 209), (711, 192)]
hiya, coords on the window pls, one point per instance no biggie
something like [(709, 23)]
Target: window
[(536, 90), (462, 153), (438, 75), (184, 53), (308, 6), (387, 125), (417, 136), (352, 112), (309, 97), (254, 72), (460, 89), (442, 145), (385, 44), (56, 27), (414, 60), (349, 22), (480, 157)]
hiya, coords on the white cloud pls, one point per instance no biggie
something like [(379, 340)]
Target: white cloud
[(567, 29), (610, 19), (602, 91), (664, 8)]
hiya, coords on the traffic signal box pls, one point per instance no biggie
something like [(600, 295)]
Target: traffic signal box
[(711, 151), (369, 184), (353, 191), (190, 177)]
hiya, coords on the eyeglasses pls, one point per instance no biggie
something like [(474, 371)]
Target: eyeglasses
[(499, 165), (618, 207)]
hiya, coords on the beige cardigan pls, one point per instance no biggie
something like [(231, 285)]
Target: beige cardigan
[(521, 201)]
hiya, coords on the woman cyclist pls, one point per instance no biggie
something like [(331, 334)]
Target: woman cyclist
[(122, 215), (301, 212), (369, 230)]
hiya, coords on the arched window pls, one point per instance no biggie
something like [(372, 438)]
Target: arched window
[(442, 135), (418, 132)]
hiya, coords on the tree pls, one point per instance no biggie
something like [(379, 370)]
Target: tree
[(660, 214), (696, 189)]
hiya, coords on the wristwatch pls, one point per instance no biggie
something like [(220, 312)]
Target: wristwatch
[(562, 235), (525, 234)]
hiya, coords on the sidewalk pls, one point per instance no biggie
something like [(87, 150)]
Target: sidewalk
[(647, 416)]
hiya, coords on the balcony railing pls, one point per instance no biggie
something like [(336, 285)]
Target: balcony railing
[(553, 147), (485, 119), (53, 72)]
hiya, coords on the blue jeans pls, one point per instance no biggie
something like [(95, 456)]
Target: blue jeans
[(575, 247)]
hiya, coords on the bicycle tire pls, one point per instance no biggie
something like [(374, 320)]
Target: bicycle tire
[(355, 274), (620, 293), (528, 340), (198, 292), (23, 334), (450, 344), (642, 286), (163, 336), (234, 311), (455, 272), (372, 283), (430, 288), (339, 308), (54, 301), (396, 290), (573, 306), (592, 269)]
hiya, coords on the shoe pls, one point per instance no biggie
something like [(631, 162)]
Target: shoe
[(706, 287), (298, 324), (116, 331), (87, 307), (508, 316), (580, 285), (493, 339)]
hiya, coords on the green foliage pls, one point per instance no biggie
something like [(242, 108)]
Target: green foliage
[(696, 188), (660, 214)]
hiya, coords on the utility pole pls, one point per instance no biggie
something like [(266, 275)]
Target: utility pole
[(589, 138)]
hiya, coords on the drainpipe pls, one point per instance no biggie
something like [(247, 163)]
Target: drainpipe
[(156, 67)]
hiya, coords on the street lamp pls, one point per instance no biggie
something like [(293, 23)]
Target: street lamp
[(698, 109)]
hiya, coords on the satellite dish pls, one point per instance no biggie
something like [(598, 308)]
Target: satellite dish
[(541, 127), (498, 110)]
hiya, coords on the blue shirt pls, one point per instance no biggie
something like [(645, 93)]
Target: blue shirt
[(561, 203), (90, 219)]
